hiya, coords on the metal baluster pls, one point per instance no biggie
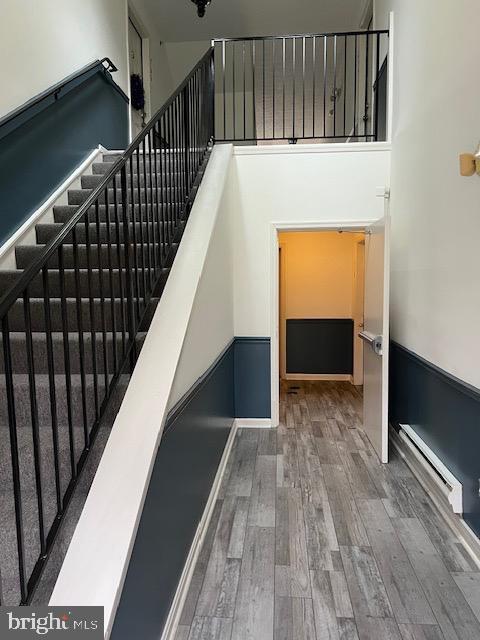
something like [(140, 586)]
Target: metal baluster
[(334, 86), (164, 204), (134, 236), (244, 93), (128, 270), (263, 93), (110, 279), (102, 300), (376, 85), (294, 74), (92, 312), (121, 274), (52, 388), (34, 418), (303, 86), (151, 224), (283, 60), (325, 43), (233, 90), (345, 87), (153, 198), (314, 67), (139, 250), (224, 91), (66, 358), (273, 88), (81, 343), (365, 117), (12, 429), (254, 124), (146, 248), (355, 115)]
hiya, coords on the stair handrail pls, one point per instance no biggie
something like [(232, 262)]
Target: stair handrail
[(56, 91)]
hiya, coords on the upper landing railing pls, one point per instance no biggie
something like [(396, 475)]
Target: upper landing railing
[(326, 87)]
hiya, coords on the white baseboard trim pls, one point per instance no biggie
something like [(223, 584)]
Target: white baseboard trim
[(340, 377), (23, 234), (175, 612), (456, 523), (253, 423)]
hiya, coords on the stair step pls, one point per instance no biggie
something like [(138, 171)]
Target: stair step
[(8, 278), (172, 194), (113, 256), (42, 387), (74, 315), (93, 344), (48, 231), (159, 178), (63, 213), (109, 158)]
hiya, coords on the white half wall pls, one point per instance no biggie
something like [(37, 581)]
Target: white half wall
[(304, 185), (210, 328), (435, 293), (43, 42)]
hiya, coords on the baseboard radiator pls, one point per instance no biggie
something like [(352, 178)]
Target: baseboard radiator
[(431, 464)]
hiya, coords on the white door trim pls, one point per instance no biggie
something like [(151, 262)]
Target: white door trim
[(275, 227)]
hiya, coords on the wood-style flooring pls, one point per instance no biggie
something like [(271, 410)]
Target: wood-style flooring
[(312, 538)]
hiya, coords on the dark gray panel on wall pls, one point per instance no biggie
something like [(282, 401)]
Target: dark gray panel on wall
[(185, 467), (445, 412), (252, 378), (39, 155), (320, 346)]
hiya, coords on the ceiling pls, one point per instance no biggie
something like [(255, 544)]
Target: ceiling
[(177, 20)]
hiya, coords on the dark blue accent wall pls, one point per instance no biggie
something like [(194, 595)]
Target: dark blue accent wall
[(185, 467), (445, 412), (252, 378), (36, 157), (320, 346)]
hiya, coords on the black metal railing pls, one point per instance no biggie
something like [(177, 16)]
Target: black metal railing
[(73, 319), (310, 87)]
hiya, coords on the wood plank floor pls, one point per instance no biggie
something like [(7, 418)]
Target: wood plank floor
[(313, 539)]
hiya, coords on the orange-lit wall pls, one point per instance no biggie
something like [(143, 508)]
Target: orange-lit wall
[(317, 276)]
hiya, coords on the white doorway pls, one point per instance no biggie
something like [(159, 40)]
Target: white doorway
[(139, 71), (374, 255)]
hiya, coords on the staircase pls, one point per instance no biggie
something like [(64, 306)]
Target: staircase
[(66, 363)]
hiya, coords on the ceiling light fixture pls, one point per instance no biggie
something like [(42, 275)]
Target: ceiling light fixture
[(201, 6)]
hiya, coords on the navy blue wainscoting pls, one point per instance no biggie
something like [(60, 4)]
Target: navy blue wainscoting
[(252, 378), (445, 412), (185, 467), (37, 156), (320, 346)]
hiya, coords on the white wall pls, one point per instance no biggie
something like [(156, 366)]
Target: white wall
[(435, 293), (183, 56), (210, 328), (302, 184), (43, 42)]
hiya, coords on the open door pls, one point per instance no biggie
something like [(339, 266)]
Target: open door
[(376, 336)]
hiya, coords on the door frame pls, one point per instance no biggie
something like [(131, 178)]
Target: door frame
[(275, 227), (133, 17)]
